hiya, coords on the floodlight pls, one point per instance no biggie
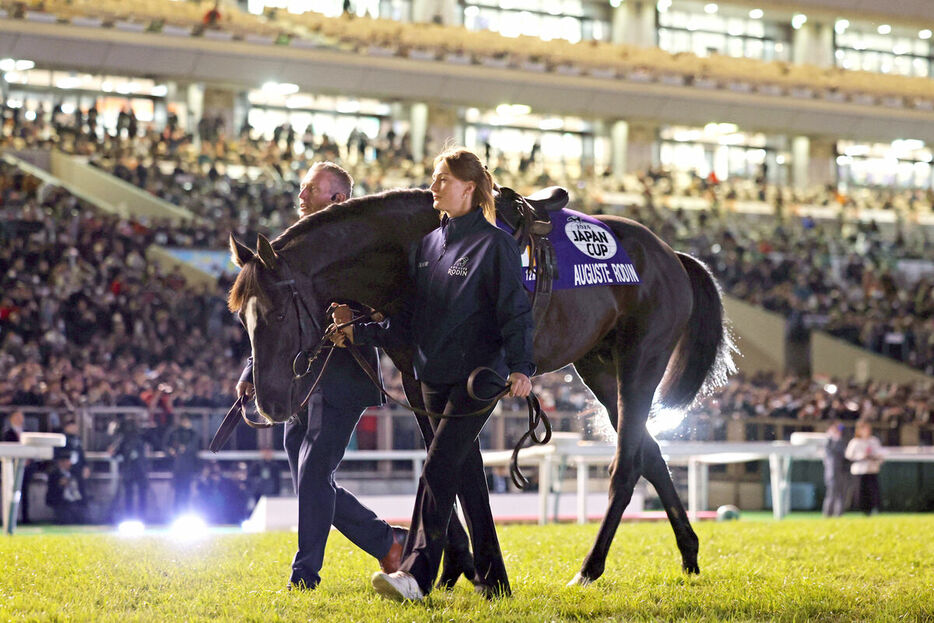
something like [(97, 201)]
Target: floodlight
[(188, 528), (131, 528)]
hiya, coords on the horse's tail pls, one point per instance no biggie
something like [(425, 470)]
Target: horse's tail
[(703, 358)]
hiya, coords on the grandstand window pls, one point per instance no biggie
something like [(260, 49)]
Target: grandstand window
[(901, 163), (400, 10), (563, 142), (335, 116), (859, 46), (573, 20), (720, 149), (74, 91), (685, 27)]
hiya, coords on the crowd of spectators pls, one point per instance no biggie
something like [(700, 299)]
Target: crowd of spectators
[(86, 318), (843, 278), (810, 401)]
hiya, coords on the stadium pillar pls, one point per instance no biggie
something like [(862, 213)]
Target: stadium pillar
[(619, 137), (442, 125), (800, 161), (240, 113), (640, 146), (418, 128), (443, 11), (219, 103), (194, 100), (822, 166), (634, 24), (813, 44)]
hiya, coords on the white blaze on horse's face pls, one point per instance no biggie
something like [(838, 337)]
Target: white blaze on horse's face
[(271, 361), (250, 316)]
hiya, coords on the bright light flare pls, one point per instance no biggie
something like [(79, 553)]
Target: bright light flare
[(131, 528), (663, 420), (188, 528)]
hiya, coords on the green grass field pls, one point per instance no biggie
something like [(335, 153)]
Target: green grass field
[(850, 569)]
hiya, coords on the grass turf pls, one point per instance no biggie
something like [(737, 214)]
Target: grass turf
[(849, 569)]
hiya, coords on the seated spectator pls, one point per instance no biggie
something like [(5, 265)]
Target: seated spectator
[(63, 495)]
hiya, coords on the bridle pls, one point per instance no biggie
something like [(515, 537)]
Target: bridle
[(306, 324), (303, 363)]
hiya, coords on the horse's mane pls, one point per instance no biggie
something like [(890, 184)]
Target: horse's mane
[(247, 283), (386, 201)]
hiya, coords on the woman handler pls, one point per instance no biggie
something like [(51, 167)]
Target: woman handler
[(470, 309)]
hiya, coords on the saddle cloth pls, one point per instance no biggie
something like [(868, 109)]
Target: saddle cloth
[(587, 252)]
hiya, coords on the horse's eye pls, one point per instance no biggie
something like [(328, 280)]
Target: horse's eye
[(280, 317)]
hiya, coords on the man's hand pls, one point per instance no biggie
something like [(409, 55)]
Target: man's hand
[(341, 314), (245, 388), (519, 385)]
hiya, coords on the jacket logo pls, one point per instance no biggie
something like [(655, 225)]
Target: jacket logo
[(459, 268)]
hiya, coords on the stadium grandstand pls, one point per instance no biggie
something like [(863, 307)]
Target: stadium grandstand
[(788, 145)]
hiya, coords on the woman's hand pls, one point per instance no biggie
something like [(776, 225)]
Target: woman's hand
[(341, 314), (519, 385)]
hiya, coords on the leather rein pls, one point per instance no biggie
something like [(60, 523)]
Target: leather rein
[(536, 416)]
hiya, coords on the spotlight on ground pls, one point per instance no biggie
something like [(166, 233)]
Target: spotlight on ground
[(131, 528), (188, 528)]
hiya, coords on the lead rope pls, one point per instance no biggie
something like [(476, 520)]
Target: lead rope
[(536, 414)]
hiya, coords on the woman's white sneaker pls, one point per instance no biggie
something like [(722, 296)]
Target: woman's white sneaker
[(400, 586)]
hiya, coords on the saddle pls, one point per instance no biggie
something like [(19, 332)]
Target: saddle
[(531, 211), (529, 219)]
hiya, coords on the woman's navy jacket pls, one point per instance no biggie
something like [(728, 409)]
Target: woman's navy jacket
[(470, 309)]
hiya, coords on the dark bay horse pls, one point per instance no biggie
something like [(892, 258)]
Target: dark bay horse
[(663, 341)]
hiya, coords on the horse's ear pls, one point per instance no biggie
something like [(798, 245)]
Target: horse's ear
[(239, 253), (265, 253)]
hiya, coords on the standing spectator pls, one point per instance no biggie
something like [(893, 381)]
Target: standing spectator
[(212, 18), (79, 467), (264, 477), (867, 455), (159, 401), (129, 448), (14, 427), (836, 475), (182, 445)]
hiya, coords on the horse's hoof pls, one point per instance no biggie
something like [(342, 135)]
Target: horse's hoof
[(690, 567), (580, 580), (451, 573)]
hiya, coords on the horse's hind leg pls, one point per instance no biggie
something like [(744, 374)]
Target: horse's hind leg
[(597, 372), (639, 365), (656, 472)]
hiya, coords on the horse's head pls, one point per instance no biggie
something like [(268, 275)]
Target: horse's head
[(281, 323), (356, 251)]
